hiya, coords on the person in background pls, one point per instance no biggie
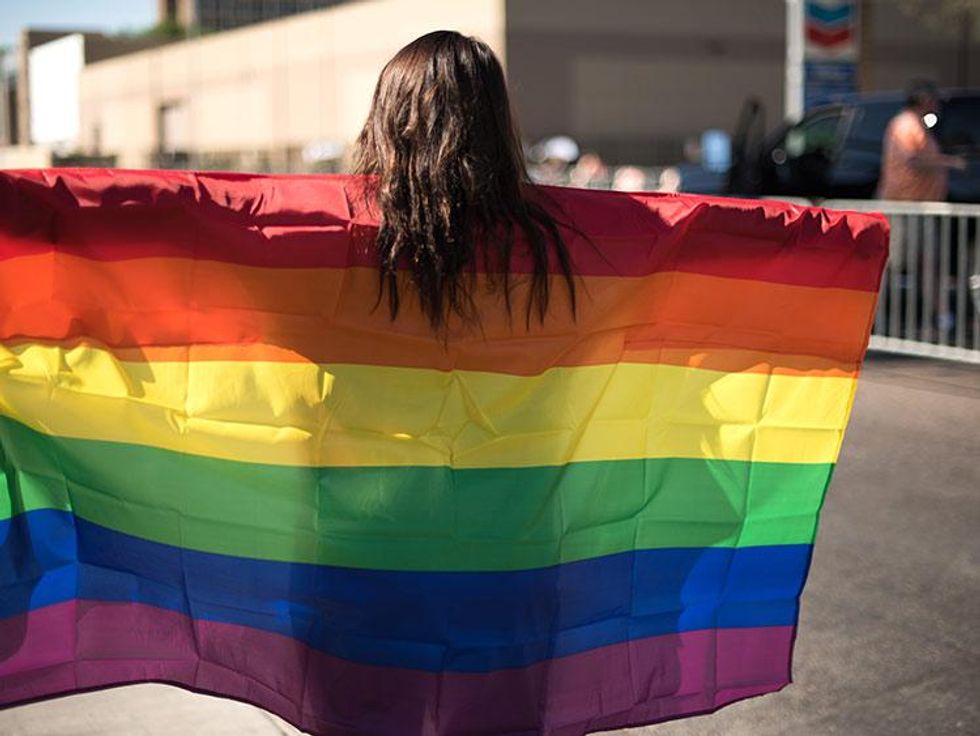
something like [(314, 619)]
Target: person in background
[(629, 179), (589, 172), (912, 166)]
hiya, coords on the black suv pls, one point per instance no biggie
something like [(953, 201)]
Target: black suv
[(835, 150)]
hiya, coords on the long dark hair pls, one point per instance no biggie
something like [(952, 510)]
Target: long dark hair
[(450, 182)]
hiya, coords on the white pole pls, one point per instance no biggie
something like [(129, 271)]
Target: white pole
[(793, 93)]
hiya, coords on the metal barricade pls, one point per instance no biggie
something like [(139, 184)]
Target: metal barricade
[(925, 306), (929, 301)]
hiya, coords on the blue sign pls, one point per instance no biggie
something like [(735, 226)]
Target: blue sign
[(827, 81)]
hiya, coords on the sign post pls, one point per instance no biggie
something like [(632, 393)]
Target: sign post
[(793, 94), (822, 48), (830, 51)]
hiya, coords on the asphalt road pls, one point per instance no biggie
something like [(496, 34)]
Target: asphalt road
[(890, 628), (889, 640)]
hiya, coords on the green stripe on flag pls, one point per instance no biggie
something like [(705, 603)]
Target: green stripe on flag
[(411, 518)]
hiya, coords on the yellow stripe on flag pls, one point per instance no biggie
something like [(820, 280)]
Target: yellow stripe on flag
[(294, 413)]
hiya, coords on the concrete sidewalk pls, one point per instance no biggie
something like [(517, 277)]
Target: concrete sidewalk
[(889, 641)]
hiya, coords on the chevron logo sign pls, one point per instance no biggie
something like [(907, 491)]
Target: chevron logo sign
[(831, 30)]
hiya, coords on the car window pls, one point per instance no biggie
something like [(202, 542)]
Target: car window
[(816, 135), (959, 125), (868, 125)]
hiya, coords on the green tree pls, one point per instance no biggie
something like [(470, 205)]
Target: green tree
[(169, 29)]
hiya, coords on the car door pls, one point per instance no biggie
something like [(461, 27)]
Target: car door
[(800, 163)]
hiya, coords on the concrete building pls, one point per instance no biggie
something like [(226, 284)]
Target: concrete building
[(631, 79), (223, 15), (8, 100), (60, 65)]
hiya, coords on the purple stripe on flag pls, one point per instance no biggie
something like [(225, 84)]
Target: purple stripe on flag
[(89, 644)]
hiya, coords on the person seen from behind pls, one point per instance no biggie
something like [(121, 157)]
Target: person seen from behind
[(446, 174), (912, 165)]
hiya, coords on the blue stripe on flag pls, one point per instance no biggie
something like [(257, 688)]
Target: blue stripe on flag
[(458, 621)]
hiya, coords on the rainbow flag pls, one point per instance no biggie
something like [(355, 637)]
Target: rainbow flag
[(224, 468)]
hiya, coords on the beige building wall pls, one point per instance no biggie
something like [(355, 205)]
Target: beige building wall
[(904, 45), (635, 78), (25, 157), (264, 91), (630, 78)]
